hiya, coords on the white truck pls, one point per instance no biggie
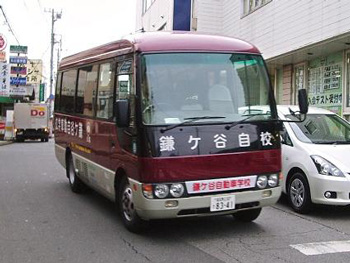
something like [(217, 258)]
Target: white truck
[(31, 121)]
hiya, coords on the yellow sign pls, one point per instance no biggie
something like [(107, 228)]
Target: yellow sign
[(34, 71)]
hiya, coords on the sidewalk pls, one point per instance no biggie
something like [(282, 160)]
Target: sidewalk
[(5, 142)]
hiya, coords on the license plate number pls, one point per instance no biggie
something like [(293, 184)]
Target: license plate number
[(222, 203)]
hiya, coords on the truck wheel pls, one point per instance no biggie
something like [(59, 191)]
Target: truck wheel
[(127, 210), (247, 215), (299, 195), (75, 183)]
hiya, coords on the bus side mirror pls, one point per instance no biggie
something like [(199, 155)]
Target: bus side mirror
[(122, 112), (303, 103)]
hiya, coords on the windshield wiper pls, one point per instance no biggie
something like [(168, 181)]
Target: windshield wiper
[(243, 120), (189, 120)]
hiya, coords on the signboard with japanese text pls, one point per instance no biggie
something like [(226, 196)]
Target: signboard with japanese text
[(4, 79), (34, 70), (21, 90), (18, 81), (2, 56), (42, 92), (18, 70), (18, 60), (18, 49), (325, 82), (213, 139)]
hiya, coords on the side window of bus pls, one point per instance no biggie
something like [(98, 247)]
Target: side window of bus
[(86, 93), (58, 92), (68, 91), (125, 88), (105, 91)]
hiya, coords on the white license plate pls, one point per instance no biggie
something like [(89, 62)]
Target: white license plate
[(222, 203)]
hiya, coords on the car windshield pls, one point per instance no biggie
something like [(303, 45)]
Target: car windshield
[(322, 129), (176, 87)]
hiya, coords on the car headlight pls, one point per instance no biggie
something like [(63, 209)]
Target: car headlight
[(161, 190), (177, 190), (273, 180), (262, 181), (325, 167)]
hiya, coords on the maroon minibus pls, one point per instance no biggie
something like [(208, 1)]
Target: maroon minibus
[(166, 124)]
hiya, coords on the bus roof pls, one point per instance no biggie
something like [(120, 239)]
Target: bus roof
[(177, 41)]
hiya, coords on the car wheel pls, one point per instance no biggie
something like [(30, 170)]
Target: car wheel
[(75, 183), (127, 210), (247, 215), (299, 193)]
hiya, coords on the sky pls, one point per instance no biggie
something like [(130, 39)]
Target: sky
[(83, 24)]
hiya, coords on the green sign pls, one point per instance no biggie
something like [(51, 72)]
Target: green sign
[(19, 49), (42, 92)]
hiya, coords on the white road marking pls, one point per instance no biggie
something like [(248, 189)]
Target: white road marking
[(320, 248)]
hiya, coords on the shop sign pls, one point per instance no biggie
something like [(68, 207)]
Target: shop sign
[(42, 92), (34, 69), (18, 81), (21, 90), (2, 56), (4, 79), (19, 70), (18, 60), (19, 49), (3, 42)]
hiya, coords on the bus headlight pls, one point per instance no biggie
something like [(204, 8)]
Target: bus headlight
[(262, 181), (177, 190), (161, 190), (273, 180)]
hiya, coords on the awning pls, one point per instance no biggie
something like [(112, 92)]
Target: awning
[(6, 100)]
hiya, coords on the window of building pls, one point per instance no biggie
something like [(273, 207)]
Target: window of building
[(105, 91), (68, 91), (250, 6), (347, 84), (299, 81), (86, 93)]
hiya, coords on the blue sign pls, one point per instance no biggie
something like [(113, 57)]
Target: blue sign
[(182, 15), (18, 60), (18, 81)]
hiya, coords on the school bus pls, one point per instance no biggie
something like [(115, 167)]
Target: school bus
[(155, 123)]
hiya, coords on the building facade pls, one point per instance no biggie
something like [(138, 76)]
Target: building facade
[(306, 44)]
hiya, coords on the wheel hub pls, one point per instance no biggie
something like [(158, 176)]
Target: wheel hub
[(128, 204), (297, 193)]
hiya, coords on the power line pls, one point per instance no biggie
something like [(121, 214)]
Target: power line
[(8, 24)]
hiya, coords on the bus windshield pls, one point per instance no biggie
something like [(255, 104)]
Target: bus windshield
[(176, 87)]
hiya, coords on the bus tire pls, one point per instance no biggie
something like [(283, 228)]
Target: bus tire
[(75, 183), (247, 215), (299, 196), (130, 218)]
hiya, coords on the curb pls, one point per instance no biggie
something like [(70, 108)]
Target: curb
[(5, 142)]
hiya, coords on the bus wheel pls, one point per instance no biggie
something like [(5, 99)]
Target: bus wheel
[(299, 193), (127, 210), (75, 183), (247, 215)]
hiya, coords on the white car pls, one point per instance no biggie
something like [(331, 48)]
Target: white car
[(315, 158)]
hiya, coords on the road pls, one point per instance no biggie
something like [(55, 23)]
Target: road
[(42, 221)]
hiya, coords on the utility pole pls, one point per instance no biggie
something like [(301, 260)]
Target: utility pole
[(54, 18)]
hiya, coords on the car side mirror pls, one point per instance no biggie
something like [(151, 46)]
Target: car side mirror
[(122, 112), (303, 102)]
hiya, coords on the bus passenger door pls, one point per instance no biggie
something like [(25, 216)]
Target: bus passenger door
[(124, 152)]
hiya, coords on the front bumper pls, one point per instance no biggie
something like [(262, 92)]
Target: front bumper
[(198, 205), (320, 184)]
